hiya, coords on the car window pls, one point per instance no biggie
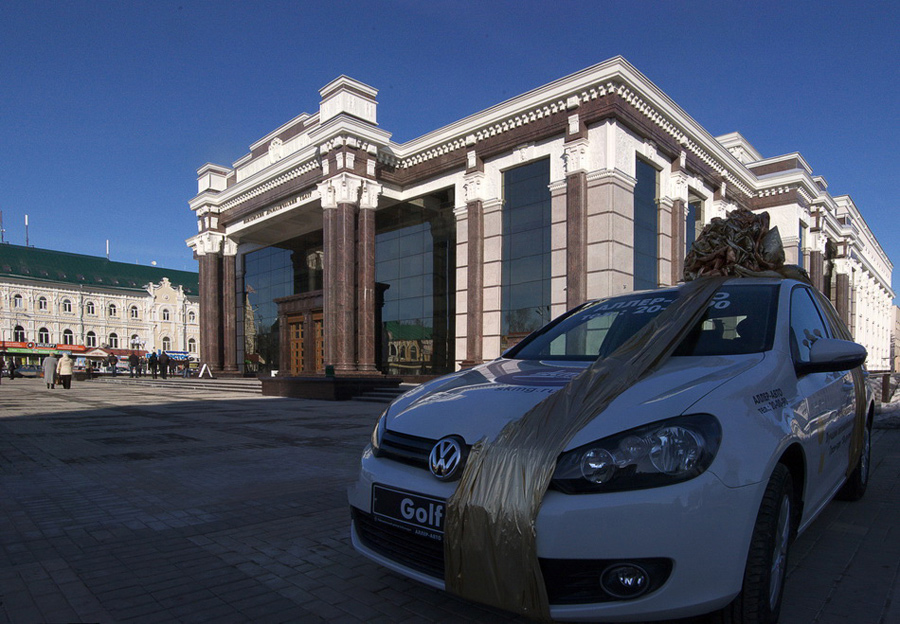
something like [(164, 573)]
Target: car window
[(807, 325), (740, 319)]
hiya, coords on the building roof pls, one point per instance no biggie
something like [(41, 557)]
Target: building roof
[(45, 265), (402, 331)]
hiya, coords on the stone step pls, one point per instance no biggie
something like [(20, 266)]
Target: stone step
[(251, 386)]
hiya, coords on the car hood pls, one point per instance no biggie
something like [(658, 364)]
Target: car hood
[(478, 402)]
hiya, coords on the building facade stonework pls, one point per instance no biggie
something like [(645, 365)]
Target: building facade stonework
[(481, 231), (56, 298)]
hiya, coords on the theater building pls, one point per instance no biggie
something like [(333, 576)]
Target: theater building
[(328, 244)]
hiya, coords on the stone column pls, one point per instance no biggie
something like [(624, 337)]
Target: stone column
[(679, 216), (229, 327), (842, 298), (210, 310), (611, 222), (365, 289), (576, 239), (817, 269), (340, 197), (474, 283)]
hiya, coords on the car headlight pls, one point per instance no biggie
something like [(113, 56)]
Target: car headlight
[(378, 432), (654, 455)]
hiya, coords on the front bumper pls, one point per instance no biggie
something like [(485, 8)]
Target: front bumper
[(701, 527)]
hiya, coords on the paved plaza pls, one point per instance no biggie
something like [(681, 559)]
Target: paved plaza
[(142, 503)]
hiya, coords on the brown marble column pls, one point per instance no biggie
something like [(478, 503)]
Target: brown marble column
[(229, 326), (679, 245), (365, 291), (329, 270), (842, 298), (474, 284), (344, 287), (817, 269), (210, 310), (576, 239)]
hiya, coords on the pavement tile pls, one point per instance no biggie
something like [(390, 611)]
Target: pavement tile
[(132, 504)]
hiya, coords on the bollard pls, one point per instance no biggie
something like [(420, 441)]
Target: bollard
[(886, 390)]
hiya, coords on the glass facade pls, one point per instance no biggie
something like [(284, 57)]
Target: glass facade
[(525, 265), (646, 227), (415, 256), (289, 268)]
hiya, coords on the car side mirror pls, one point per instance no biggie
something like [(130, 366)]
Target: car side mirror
[(828, 355)]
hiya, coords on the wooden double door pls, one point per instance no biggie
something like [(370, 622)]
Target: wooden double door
[(306, 343)]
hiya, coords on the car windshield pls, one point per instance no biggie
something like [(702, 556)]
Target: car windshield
[(740, 319)]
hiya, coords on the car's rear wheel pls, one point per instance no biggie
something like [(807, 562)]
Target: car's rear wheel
[(858, 480), (760, 599)]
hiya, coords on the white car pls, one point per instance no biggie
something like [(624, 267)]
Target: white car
[(683, 496)]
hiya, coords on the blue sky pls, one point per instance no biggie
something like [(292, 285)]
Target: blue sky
[(107, 109)]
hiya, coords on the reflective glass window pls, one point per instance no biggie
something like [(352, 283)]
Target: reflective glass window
[(415, 258), (525, 264), (807, 325), (646, 227), (289, 268)]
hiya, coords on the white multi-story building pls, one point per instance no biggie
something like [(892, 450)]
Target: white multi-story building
[(58, 301), (328, 234)]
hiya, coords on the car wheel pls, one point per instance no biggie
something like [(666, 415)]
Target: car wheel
[(760, 599), (858, 480)]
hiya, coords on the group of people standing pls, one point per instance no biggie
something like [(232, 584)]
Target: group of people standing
[(59, 370), (162, 363)]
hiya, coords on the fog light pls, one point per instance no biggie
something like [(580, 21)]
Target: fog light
[(625, 580)]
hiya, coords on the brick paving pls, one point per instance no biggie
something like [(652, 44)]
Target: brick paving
[(147, 504)]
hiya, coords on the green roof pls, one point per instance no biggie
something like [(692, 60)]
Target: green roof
[(403, 331), (68, 268)]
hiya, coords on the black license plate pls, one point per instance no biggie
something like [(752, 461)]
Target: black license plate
[(419, 514)]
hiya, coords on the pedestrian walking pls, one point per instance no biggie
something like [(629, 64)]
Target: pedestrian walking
[(64, 369), (152, 364), (164, 364), (2, 366), (49, 364), (88, 370), (12, 368), (112, 360)]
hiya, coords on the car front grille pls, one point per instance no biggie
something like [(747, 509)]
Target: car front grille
[(406, 448), (420, 553)]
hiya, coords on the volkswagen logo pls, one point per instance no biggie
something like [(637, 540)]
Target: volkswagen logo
[(446, 458)]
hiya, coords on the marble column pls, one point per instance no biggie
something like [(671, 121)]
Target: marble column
[(679, 244), (229, 327), (576, 239), (817, 269), (474, 283), (210, 309), (365, 291), (340, 199)]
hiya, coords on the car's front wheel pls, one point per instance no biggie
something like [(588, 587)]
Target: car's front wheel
[(760, 599)]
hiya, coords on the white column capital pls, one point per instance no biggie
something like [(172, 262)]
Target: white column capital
[(341, 189)]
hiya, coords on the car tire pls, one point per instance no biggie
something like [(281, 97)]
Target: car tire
[(760, 599), (858, 481)]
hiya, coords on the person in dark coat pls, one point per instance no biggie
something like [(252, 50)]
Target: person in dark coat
[(112, 361), (88, 370), (152, 364), (2, 366), (12, 368), (133, 363), (164, 364)]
